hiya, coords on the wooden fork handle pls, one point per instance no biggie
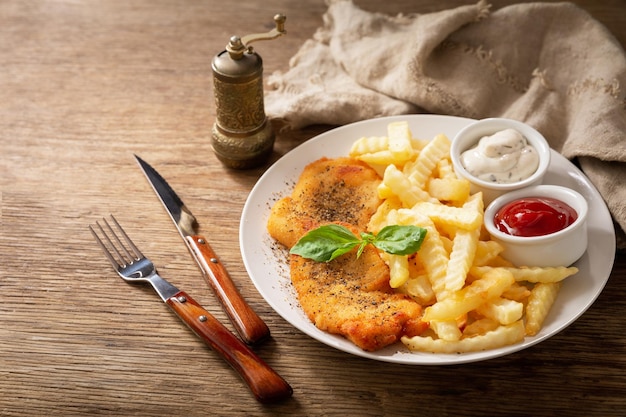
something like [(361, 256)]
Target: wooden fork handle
[(248, 324), (266, 385)]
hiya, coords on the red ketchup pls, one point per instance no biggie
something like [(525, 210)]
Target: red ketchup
[(534, 216)]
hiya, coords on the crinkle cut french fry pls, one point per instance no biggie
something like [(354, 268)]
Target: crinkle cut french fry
[(532, 274), (398, 264), (381, 158), (379, 168), (489, 286), (503, 310), (456, 216), (418, 144), (427, 160), (377, 152), (432, 253), (540, 302), (449, 189), (499, 261), (517, 292), (446, 330), (419, 288), (486, 252), (463, 249), (401, 186), (398, 269), (380, 219), (480, 326), (447, 242), (384, 191), (445, 170), (396, 148), (501, 336), (369, 145), (400, 141)]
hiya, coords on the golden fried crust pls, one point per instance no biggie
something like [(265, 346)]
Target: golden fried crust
[(347, 296), (352, 297), (329, 190)]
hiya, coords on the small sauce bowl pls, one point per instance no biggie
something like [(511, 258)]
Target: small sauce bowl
[(561, 248), (469, 136)]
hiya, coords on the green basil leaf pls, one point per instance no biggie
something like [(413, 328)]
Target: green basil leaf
[(331, 241), (362, 246), (366, 238), (325, 243), (400, 240)]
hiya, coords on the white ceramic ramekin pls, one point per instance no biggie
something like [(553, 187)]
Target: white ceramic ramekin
[(561, 248), (469, 136)]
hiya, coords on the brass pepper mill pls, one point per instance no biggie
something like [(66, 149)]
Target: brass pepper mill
[(242, 137)]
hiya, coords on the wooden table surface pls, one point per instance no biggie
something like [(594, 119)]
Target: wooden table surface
[(83, 86)]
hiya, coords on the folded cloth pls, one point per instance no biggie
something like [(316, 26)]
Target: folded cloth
[(550, 65)]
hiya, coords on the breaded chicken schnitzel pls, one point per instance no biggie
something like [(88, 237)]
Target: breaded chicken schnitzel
[(347, 296)]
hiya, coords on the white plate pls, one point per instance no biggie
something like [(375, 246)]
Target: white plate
[(268, 268)]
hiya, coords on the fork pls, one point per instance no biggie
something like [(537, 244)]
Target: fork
[(266, 385)]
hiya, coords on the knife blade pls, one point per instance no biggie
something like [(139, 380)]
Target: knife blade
[(247, 323)]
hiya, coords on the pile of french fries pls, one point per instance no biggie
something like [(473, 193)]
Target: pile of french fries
[(473, 298)]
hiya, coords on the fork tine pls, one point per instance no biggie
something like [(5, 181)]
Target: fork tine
[(121, 259), (126, 257), (106, 251), (135, 249), (115, 250)]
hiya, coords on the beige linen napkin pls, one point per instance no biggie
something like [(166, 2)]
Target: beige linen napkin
[(550, 65)]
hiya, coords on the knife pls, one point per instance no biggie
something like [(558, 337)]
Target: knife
[(248, 324)]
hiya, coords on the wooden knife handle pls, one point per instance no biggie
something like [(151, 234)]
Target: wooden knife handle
[(266, 385), (248, 324)]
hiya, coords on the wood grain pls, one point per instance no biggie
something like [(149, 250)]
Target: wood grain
[(83, 87)]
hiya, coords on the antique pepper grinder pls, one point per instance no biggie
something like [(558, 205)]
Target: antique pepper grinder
[(242, 137)]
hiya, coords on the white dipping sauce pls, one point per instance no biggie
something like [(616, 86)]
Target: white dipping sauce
[(502, 158)]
